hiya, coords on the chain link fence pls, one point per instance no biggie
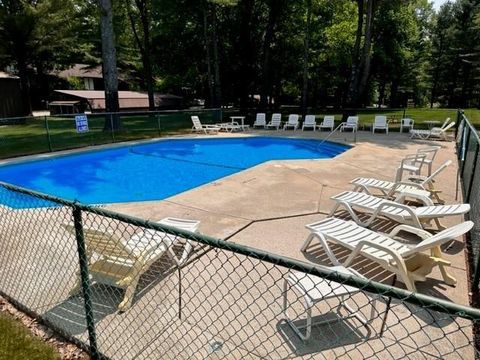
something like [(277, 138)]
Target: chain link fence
[(126, 288), (468, 146), (33, 135)]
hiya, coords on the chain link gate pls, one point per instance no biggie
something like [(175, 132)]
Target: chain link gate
[(69, 264)]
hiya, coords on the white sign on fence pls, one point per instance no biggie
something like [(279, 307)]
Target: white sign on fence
[(81, 123)]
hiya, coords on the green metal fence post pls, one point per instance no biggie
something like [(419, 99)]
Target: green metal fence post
[(48, 134), (159, 127), (84, 275), (111, 127)]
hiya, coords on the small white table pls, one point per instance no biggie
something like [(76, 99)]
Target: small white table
[(241, 120)]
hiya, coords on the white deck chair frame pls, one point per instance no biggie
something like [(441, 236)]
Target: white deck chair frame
[(309, 123), (275, 122), (351, 123), (411, 164), (409, 262), (260, 120), (314, 289), (406, 123), (328, 122), (121, 262), (415, 183), (292, 122), (396, 210), (199, 127), (434, 133), (380, 123)]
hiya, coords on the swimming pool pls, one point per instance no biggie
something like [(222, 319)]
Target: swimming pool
[(155, 170)]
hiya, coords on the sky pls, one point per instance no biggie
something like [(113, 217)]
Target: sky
[(438, 3)]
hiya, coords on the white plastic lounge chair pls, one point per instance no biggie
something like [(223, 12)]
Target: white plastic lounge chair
[(120, 262), (260, 120), (406, 123), (292, 122), (275, 122), (396, 210), (230, 126), (309, 122), (327, 123), (198, 127), (380, 123), (314, 289), (414, 184), (411, 263), (434, 133), (351, 123)]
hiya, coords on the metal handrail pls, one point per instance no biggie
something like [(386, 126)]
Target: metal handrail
[(331, 133)]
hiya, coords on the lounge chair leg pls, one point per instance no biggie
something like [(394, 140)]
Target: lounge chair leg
[(129, 293), (76, 287), (442, 264)]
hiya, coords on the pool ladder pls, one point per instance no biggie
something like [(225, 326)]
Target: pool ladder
[(335, 130)]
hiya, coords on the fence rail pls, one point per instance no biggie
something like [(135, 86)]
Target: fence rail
[(66, 263)]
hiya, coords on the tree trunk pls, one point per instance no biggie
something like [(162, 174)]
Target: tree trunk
[(207, 56), (24, 87), (216, 65), (109, 65), (352, 92), (306, 50), (266, 86), (366, 54), (144, 9), (245, 54)]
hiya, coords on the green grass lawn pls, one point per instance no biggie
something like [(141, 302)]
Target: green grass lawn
[(32, 138), (17, 343)]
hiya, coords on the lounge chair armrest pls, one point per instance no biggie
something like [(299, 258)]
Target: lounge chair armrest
[(366, 243), (400, 198), (411, 212), (423, 234), (323, 241)]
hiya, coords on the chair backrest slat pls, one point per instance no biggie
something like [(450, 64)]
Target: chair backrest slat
[(196, 122), (260, 119), (328, 120), (276, 118), (380, 120), (293, 119), (309, 120), (352, 120)]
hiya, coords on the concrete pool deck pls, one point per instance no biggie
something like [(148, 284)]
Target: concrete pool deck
[(233, 300), (268, 206)]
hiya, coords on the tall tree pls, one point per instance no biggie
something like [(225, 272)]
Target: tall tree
[(306, 51), (109, 64), (34, 35), (139, 12)]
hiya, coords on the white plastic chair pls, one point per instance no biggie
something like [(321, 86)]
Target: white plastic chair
[(121, 262), (406, 123), (309, 122), (351, 123), (314, 289), (292, 122), (415, 184), (380, 123), (328, 122), (260, 120), (411, 263), (396, 210), (199, 127), (275, 122)]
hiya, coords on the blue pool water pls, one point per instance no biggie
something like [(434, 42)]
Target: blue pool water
[(154, 171)]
